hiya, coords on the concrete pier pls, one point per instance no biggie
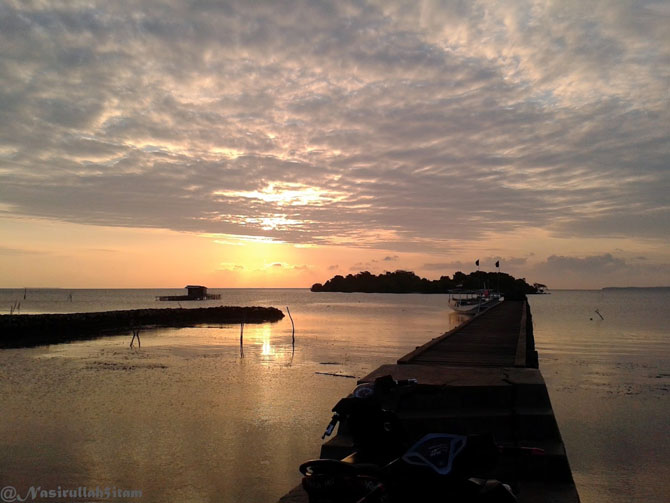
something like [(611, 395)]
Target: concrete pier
[(481, 378)]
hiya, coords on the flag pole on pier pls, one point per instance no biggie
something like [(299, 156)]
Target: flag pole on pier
[(498, 275)]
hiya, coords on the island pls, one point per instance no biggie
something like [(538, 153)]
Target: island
[(407, 282)]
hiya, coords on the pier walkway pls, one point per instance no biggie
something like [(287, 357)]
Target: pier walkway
[(496, 338), (481, 378)]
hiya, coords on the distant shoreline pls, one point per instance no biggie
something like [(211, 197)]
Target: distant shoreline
[(636, 288), (29, 330)]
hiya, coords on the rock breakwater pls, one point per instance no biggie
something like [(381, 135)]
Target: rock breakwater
[(26, 330)]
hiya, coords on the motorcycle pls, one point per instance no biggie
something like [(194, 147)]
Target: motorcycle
[(390, 467)]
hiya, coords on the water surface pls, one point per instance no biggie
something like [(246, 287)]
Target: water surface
[(192, 416), (608, 381)]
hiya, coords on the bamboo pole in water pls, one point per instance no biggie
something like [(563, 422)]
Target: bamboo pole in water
[(292, 325), (242, 338), (136, 333)]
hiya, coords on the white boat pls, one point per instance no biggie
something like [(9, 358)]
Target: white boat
[(473, 301)]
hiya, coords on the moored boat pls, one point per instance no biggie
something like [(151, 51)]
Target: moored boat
[(473, 301)]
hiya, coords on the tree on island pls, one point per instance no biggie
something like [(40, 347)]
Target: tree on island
[(407, 282), (540, 287)]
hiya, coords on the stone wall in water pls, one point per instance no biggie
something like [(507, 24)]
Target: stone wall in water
[(27, 330)]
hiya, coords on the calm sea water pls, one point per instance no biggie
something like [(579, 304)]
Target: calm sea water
[(194, 416)]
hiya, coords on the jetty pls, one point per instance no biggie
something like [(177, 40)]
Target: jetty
[(26, 330), (481, 378)]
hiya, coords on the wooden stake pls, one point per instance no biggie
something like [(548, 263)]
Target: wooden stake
[(242, 337), (136, 333), (292, 324)]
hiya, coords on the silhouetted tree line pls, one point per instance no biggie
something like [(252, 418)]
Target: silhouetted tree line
[(408, 282)]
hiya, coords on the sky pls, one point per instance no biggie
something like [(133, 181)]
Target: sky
[(276, 144)]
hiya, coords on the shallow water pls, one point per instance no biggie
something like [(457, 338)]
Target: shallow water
[(192, 416), (608, 381)]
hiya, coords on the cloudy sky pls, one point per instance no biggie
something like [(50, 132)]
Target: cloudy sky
[(159, 143)]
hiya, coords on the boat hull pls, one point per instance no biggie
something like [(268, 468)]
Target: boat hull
[(473, 303)]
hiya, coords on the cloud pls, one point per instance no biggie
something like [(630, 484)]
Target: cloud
[(287, 266), (505, 261), (393, 125), (102, 250), (447, 266), (228, 266), (595, 264), (20, 252), (487, 263), (604, 269)]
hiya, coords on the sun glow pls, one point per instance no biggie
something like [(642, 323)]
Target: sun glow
[(240, 239), (286, 194), (275, 222), (230, 153)]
